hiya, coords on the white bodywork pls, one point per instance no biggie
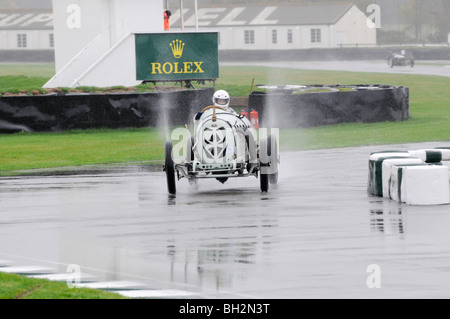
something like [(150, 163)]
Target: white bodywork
[(224, 145)]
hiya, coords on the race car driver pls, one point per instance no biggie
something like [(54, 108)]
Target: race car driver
[(221, 98)]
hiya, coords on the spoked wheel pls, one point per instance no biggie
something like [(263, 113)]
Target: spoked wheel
[(264, 162), (169, 167), (190, 149), (190, 159), (391, 62)]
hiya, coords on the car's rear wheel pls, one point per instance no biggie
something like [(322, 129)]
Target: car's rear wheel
[(264, 163), (264, 182), (169, 168)]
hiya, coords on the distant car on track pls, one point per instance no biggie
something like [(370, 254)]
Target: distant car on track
[(400, 59)]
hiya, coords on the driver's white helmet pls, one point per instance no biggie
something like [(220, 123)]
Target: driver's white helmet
[(221, 98)]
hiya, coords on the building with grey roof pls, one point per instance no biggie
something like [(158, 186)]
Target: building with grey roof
[(302, 26), (30, 29)]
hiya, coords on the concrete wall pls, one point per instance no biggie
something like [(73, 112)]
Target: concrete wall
[(119, 64), (87, 30), (78, 22)]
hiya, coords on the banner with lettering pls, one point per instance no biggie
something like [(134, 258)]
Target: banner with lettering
[(177, 56)]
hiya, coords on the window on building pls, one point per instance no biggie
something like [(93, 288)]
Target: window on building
[(316, 36), (51, 40), (274, 37), (289, 36), (21, 40), (249, 37)]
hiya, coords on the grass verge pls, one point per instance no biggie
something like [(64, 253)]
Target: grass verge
[(14, 286), (79, 147)]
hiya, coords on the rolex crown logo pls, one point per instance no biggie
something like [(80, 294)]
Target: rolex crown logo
[(177, 47)]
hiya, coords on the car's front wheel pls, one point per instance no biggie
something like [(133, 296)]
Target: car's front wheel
[(264, 182), (272, 147), (169, 168), (391, 62)]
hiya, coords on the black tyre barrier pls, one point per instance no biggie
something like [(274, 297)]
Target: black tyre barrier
[(60, 112), (316, 105)]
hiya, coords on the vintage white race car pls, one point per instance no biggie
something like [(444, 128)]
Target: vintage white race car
[(224, 145), (401, 59)]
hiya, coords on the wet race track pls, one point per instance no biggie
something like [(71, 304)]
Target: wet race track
[(317, 234), (438, 68)]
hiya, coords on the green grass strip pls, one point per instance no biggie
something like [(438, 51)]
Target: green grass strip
[(81, 147), (14, 286)]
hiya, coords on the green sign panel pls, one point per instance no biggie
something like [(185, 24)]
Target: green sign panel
[(177, 56)]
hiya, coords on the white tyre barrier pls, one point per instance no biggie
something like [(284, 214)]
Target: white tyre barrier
[(420, 185), (375, 183), (428, 155), (445, 152), (391, 163), (445, 157), (447, 164)]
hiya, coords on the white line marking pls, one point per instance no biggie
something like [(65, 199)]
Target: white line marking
[(110, 285), (61, 277), (168, 293), (25, 270)]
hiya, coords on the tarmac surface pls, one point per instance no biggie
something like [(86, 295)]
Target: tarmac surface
[(317, 234)]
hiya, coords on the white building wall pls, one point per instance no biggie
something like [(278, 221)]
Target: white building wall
[(232, 38), (32, 39), (352, 29), (306, 41), (36, 39), (44, 40), (281, 38), (3, 36)]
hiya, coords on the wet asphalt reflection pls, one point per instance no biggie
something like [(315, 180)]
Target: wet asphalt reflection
[(314, 235)]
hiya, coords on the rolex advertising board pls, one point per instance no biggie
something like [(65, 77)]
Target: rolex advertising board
[(177, 56)]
